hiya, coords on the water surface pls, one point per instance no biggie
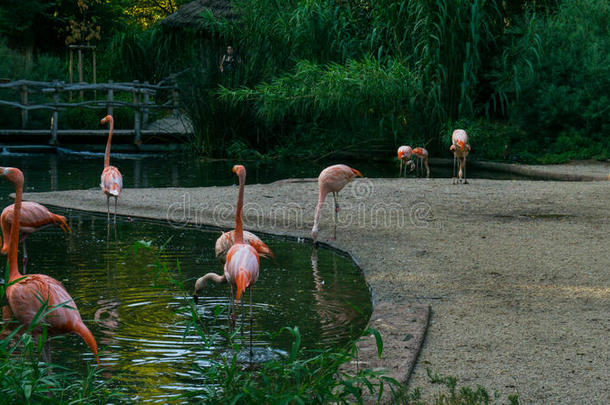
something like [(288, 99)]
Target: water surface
[(139, 318)]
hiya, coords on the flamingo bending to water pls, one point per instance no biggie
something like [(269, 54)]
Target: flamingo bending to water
[(460, 149), (404, 153), (422, 155), (332, 180), (24, 293), (112, 180), (33, 217), (241, 268), (227, 239)]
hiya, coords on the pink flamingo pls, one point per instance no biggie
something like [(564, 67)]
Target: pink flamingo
[(332, 179), (242, 264), (422, 155), (227, 239), (404, 154), (460, 149), (26, 294), (112, 180), (33, 217)]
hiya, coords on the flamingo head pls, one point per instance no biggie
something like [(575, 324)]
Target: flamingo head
[(239, 170), (452, 148), (404, 152), (106, 119), (314, 235), (12, 174), (356, 172)]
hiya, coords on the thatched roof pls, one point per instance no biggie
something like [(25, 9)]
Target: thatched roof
[(189, 14)]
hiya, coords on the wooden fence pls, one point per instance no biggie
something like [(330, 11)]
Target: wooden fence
[(143, 95)]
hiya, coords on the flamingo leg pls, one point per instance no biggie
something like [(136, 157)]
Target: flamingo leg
[(115, 203), (25, 258), (251, 319), (232, 310), (336, 197), (465, 181), (108, 207), (46, 352), (400, 170), (242, 321), (454, 164), (427, 169)]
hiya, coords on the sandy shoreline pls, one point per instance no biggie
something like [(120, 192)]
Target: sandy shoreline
[(517, 273)]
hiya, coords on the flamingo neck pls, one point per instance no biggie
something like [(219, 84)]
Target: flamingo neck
[(13, 268), (239, 225), (321, 198), (108, 143)]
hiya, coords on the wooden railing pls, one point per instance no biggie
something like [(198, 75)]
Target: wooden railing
[(143, 96)]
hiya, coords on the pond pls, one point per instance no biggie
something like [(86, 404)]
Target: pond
[(69, 170), (139, 318)]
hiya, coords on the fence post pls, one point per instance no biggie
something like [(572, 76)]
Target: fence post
[(145, 111), (80, 71), (94, 74), (71, 76), (24, 101), (175, 95), (109, 106), (136, 113), (53, 140)]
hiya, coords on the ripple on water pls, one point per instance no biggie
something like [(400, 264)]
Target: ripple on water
[(140, 319)]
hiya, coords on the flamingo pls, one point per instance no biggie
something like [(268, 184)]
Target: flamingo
[(460, 149), (242, 261), (33, 217), (332, 179), (404, 153), (26, 294), (227, 239), (112, 180), (422, 155)]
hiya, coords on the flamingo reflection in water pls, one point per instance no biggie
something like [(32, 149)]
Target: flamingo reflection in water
[(333, 312)]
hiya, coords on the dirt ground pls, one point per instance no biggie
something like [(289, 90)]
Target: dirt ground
[(517, 273)]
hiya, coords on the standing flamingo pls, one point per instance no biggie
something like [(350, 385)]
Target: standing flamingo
[(460, 149), (242, 266), (404, 154), (33, 217), (26, 294), (332, 179), (112, 180), (227, 239), (422, 155)]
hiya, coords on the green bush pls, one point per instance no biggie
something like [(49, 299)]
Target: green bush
[(562, 87)]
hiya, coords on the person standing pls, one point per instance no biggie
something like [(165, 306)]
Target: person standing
[(228, 61)]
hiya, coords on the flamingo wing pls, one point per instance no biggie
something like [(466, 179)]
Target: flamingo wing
[(33, 216), (227, 240), (242, 267), (111, 181)]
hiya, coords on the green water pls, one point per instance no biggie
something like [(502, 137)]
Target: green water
[(140, 327)]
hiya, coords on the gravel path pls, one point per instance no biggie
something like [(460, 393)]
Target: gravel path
[(517, 273)]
